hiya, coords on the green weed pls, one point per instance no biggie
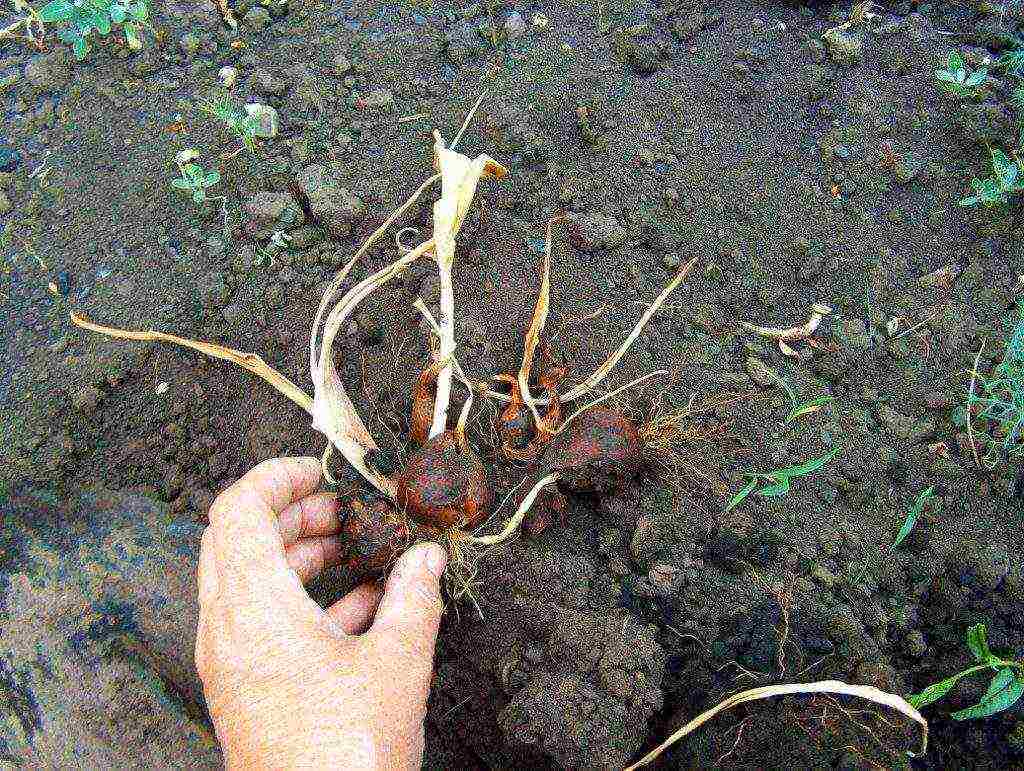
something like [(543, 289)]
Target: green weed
[(958, 80), (996, 189), (777, 483), (194, 178), (1003, 692), (81, 18), (248, 125), (799, 409), (913, 515), (995, 404)]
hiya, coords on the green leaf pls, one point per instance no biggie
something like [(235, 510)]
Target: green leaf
[(934, 692), (781, 487), (102, 23), (117, 14), (131, 34), (971, 200), (58, 10), (945, 76), (915, 512), (80, 47), (1003, 692), (1006, 171), (977, 641), (976, 78), (808, 407), (955, 62), (198, 196), (181, 184), (806, 468), (212, 178), (742, 495)]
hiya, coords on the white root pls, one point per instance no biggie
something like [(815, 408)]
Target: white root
[(868, 692), (514, 522)]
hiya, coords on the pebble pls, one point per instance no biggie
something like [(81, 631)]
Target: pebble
[(515, 25), (5, 203), (87, 399), (256, 19), (9, 158), (760, 372), (599, 231)]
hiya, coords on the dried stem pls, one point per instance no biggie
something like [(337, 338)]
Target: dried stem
[(591, 382), (970, 405), (609, 395), (446, 348), (333, 412), (512, 526), (823, 686), (540, 317), (247, 361)]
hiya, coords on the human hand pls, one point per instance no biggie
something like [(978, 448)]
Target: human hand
[(288, 684)]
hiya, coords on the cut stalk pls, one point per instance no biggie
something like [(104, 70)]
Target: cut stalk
[(591, 382), (446, 348), (823, 686), (512, 526), (247, 361)]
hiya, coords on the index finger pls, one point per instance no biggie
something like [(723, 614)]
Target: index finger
[(244, 516)]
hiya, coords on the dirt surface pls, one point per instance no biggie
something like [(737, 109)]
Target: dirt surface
[(798, 171)]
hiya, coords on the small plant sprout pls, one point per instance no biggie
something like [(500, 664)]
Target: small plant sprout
[(996, 190), (1004, 690), (279, 241), (958, 80), (777, 483), (83, 17), (787, 335), (194, 178), (994, 414), (913, 515), (798, 408), (257, 121)]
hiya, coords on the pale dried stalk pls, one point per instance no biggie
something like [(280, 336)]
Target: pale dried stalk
[(609, 395), (333, 412), (460, 373), (868, 692), (512, 526), (532, 340), (247, 361), (790, 334), (591, 382), (459, 179)]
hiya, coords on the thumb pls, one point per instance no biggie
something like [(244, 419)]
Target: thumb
[(410, 610)]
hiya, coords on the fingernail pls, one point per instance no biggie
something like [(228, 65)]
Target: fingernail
[(433, 558)]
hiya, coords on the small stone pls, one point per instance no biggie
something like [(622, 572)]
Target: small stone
[(822, 575), (906, 167), (914, 644), (268, 84), (598, 231), (87, 399), (233, 313), (672, 260), (257, 19), (760, 372), (228, 76), (5, 203), (334, 207), (266, 117), (844, 48), (515, 25)]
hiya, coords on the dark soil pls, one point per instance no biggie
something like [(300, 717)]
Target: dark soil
[(800, 171)]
